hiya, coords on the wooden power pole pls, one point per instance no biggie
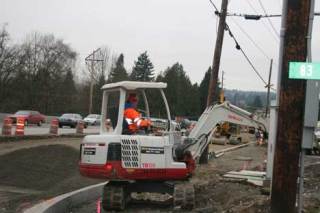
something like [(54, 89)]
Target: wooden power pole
[(217, 54), (291, 107), (215, 66), (91, 83), (92, 59), (269, 86)]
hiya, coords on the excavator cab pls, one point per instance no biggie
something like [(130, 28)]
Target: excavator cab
[(114, 102), (146, 155)]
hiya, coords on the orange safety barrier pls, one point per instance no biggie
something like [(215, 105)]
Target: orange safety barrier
[(20, 126), (80, 127), (7, 126), (54, 126)]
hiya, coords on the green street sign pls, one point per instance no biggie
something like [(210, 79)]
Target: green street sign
[(304, 70)]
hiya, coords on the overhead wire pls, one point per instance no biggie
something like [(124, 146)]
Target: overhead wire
[(275, 37), (244, 54), (253, 42), (266, 14), (238, 46), (251, 39), (216, 11), (258, 16)]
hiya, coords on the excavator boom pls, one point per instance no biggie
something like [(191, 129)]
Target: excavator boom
[(213, 115)]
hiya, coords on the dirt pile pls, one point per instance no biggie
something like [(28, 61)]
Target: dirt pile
[(38, 173)]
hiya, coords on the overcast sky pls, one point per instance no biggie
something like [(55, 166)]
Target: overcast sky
[(171, 31)]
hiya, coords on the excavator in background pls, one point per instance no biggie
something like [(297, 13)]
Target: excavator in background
[(153, 160)]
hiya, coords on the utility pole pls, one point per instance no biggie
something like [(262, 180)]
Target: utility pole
[(291, 107), (92, 59), (91, 84), (269, 86), (222, 91), (215, 67), (222, 79), (217, 54)]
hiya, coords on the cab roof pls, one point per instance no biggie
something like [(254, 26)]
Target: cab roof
[(134, 85)]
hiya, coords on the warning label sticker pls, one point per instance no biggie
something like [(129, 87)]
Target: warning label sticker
[(89, 151), (152, 150)]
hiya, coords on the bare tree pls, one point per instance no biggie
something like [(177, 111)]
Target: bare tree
[(46, 61), (9, 62)]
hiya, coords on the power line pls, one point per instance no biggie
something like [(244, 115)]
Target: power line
[(252, 16), (251, 39), (217, 11), (265, 12), (258, 17), (239, 47), (245, 55), (276, 38), (252, 7)]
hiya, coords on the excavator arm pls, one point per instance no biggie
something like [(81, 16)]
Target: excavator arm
[(197, 140)]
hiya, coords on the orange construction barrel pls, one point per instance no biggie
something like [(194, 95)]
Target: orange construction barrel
[(54, 125), (7, 126), (20, 126), (80, 126)]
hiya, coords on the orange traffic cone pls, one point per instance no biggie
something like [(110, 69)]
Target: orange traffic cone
[(54, 125), (7, 126), (80, 126), (20, 126)]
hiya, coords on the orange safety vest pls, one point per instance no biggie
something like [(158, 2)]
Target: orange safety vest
[(134, 120)]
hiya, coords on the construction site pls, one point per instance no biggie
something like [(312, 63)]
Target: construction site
[(161, 142), (27, 179)]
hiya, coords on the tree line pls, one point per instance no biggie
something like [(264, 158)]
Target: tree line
[(42, 73)]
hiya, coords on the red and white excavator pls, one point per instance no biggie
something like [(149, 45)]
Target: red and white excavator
[(149, 161)]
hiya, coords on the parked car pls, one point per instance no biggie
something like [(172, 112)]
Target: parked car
[(70, 119), (30, 117), (92, 119)]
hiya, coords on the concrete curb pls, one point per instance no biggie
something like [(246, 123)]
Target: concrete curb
[(65, 202)]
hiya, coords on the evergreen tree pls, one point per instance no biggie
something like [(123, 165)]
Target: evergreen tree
[(118, 73), (257, 102), (204, 88), (97, 95), (68, 94), (143, 69), (181, 94)]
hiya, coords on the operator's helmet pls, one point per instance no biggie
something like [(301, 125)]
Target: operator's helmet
[(132, 98), (131, 101)]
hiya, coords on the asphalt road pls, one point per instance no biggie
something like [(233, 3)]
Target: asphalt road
[(44, 129)]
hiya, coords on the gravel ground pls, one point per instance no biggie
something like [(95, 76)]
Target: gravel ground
[(32, 171), (217, 194)]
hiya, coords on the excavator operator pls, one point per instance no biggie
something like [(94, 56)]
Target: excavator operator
[(133, 121)]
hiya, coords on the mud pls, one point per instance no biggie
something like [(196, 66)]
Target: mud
[(38, 170)]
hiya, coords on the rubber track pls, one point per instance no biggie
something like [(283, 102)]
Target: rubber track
[(183, 196), (113, 197)]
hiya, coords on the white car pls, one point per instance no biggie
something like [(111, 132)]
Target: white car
[(92, 119)]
